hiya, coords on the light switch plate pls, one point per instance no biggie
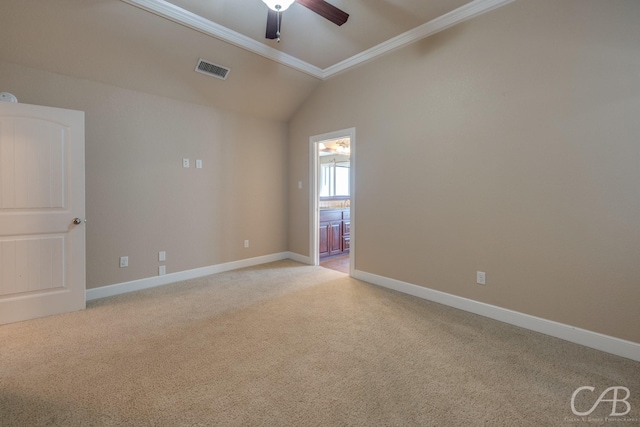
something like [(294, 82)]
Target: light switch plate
[(198, 164), (481, 277), (162, 256)]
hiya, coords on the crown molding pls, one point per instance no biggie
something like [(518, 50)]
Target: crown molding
[(456, 16), (184, 17), (198, 23)]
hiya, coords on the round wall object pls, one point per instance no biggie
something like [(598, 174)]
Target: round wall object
[(8, 97)]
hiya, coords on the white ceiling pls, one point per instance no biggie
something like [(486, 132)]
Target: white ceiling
[(153, 46)]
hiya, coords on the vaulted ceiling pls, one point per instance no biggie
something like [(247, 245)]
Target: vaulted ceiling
[(153, 45)]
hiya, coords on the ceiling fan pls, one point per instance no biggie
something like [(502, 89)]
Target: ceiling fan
[(321, 7)]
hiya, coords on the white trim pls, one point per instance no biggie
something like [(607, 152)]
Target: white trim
[(314, 213), (300, 258), (203, 25), (606, 343), (198, 23), (151, 282), (456, 16), (352, 203)]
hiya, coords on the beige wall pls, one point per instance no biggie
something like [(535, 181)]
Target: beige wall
[(508, 144), (139, 198)]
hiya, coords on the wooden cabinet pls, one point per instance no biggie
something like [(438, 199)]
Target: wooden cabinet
[(346, 235), (335, 231)]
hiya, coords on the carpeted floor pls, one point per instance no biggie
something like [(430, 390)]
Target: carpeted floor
[(291, 345)]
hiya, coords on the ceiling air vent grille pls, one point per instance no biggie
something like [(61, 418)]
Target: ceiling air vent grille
[(211, 69)]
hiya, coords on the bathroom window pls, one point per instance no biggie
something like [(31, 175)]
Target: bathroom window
[(334, 179)]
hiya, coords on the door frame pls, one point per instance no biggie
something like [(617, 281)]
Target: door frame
[(314, 211)]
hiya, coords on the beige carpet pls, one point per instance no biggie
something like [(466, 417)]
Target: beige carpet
[(290, 345)]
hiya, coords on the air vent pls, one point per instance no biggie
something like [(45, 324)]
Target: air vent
[(211, 69)]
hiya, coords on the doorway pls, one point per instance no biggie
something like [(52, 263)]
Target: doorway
[(332, 202)]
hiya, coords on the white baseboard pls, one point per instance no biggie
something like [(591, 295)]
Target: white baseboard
[(300, 258), (608, 344), (151, 282)]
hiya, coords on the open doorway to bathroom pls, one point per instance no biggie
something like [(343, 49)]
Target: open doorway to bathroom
[(333, 200)]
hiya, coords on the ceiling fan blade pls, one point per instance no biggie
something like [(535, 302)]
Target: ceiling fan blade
[(326, 10), (272, 24)]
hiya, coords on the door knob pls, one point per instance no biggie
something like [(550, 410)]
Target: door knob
[(77, 221)]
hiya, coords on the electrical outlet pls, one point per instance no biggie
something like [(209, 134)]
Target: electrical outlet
[(185, 163), (162, 256), (481, 278), (246, 243), (124, 261), (162, 270)]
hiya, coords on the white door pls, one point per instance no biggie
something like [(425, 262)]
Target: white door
[(42, 236)]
